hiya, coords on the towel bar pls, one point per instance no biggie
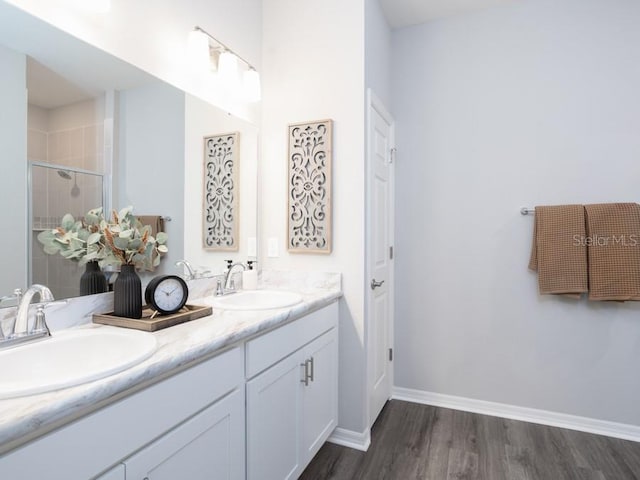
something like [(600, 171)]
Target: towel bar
[(527, 211)]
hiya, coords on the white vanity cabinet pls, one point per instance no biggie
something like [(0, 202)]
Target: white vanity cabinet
[(208, 446), (320, 397), (292, 395), (196, 413), (259, 410), (116, 473)]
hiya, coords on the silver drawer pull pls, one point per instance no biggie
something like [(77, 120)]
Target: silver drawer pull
[(312, 369), (306, 373)]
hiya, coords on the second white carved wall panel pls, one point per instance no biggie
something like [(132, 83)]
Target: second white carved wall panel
[(309, 187)]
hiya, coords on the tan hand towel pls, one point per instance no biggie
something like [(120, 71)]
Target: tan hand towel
[(613, 231), (157, 225), (557, 253), (156, 222)]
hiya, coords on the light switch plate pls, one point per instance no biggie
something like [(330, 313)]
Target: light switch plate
[(272, 247)]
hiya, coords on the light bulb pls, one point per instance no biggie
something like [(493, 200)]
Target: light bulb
[(198, 51), (252, 86), (228, 69)]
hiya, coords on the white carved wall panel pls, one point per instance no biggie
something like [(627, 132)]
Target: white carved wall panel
[(309, 187), (221, 165)]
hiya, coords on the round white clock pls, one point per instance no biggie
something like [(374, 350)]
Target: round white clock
[(166, 294)]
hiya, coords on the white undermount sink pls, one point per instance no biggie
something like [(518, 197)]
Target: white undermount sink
[(257, 300), (71, 357)]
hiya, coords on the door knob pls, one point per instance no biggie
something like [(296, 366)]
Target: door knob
[(375, 284)]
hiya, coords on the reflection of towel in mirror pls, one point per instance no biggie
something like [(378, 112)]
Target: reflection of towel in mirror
[(558, 252), (157, 225), (613, 230), (156, 222)]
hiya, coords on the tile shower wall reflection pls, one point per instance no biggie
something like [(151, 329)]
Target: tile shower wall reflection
[(70, 135), (70, 138)]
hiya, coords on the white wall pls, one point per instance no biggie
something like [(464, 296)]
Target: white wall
[(152, 35), (377, 52), (313, 69), (13, 181), (203, 119), (151, 160), (534, 103)]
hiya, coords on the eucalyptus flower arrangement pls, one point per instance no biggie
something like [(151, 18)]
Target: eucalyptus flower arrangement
[(129, 242), (121, 240), (78, 240)]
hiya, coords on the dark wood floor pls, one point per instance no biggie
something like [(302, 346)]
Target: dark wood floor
[(410, 441)]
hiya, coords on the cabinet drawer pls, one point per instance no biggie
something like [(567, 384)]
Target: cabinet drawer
[(266, 350)]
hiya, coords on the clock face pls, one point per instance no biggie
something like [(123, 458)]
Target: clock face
[(167, 294)]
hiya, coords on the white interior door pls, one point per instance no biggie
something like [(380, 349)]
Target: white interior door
[(379, 254)]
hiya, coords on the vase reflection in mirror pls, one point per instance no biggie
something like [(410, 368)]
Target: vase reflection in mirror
[(93, 280)]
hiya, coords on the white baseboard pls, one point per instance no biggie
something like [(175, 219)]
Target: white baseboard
[(543, 417), (351, 439)]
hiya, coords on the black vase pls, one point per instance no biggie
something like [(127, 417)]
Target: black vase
[(93, 280), (127, 293)]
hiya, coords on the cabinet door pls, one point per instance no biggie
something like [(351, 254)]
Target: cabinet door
[(320, 396), (272, 421), (208, 446)]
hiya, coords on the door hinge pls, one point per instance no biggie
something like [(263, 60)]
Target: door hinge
[(391, 354), (390, 253), (392, 155)]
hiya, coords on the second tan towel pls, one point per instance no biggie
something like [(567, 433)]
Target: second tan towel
[(557, 253), (613, 231)]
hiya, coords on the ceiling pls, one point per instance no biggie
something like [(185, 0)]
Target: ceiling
[(92, 71), (47, 89), (402, 13)]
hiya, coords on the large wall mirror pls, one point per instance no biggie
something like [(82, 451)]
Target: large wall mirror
[(81, 129)]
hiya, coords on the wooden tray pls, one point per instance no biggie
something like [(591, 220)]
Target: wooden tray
[(148, 324)]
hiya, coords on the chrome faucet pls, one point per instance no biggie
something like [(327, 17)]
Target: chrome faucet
[(11, 300), (228, 279), (21, 325), (20, 332), (187, 265), (15, 296)]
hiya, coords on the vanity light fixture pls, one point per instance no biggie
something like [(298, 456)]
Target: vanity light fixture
[(94, 6), (207, 52), (198, 51), (228, 69), (251, 85), (101, 6)]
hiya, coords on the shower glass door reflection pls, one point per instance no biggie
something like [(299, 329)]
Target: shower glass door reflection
[(54, 192)]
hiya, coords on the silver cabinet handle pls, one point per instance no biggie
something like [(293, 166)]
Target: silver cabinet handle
[(375, 284), (306, 373)]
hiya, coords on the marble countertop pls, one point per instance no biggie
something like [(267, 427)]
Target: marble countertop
[(26, 418)]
